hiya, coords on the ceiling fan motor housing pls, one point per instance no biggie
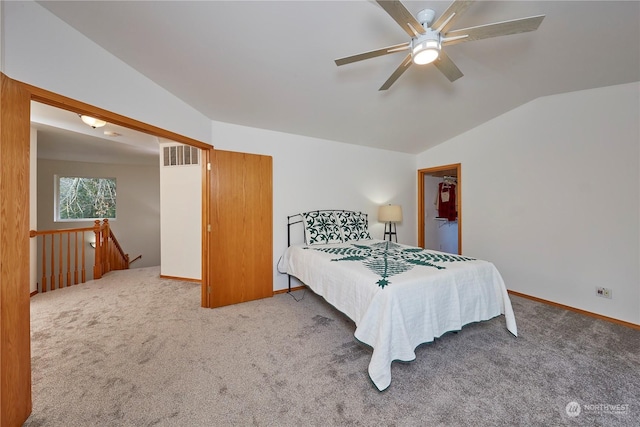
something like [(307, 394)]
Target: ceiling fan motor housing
[(425, 17)]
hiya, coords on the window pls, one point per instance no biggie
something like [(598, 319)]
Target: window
[(79, 198)]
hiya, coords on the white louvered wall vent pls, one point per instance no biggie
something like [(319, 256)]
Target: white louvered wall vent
[(178, 155)]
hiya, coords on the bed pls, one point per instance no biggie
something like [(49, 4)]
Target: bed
[(398, 296)]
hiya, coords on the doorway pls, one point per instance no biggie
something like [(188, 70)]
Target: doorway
[(15, 99), (57, 101), (439, 230), (67, 150)]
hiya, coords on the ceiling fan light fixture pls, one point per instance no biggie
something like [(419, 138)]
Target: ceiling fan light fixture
[(426, 48), (92, 121), (427, 36)]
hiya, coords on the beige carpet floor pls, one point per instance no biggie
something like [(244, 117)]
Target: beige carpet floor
[(133, 349)]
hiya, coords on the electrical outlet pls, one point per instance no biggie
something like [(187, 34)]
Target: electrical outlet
[(603, 292)]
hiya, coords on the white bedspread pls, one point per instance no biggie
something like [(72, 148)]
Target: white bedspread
[(397, 296)]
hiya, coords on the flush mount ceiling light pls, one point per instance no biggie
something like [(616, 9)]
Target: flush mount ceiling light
[(92, 121)]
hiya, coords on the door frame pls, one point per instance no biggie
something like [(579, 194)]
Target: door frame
[(15, 122), (15, 344), (421, 219)]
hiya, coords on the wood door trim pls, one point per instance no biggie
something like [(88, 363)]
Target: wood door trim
[(207, 212), (429, 171), (55, 100), (15, 348)]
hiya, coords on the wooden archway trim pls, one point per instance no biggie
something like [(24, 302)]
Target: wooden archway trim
[(53, 99), (430, 171)]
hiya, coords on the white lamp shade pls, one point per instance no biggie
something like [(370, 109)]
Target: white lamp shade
[(390, 213)]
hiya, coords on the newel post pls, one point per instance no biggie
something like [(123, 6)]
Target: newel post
[(97, 262)]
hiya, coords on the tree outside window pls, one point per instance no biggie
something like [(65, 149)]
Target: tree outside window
[(86, 198)]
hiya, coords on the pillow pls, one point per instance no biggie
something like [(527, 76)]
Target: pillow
[(321, 228), (348, 225), (363, 226), (354, 225)]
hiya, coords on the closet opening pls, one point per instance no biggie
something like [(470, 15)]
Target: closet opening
[(440, 208)]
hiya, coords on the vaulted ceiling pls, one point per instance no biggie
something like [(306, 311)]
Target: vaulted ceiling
[(270, 64)]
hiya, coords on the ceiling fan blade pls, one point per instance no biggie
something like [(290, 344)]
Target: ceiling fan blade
[(402, 16), (504, 28), (447, 67), (449, 16), (406, 63), (372, 54)]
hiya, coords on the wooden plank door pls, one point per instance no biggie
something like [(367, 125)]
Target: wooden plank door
[(241, 255)]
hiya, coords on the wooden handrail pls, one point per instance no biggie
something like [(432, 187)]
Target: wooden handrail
[(108, 254), (123, 256), (34, 233)]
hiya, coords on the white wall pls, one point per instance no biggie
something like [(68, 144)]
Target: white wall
[(537, 185), (551, 195), (1, 37), (42, 50), (181, 222), (310, 173)]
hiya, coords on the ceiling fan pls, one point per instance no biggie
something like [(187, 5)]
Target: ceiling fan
[(429, 37)]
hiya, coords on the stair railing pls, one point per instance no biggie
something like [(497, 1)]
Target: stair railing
[(63, 255), (109, 253)]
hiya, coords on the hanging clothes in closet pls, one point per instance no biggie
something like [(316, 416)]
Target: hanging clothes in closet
[(446, 200)]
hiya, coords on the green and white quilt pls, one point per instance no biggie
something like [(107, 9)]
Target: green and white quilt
[(400, 296)]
